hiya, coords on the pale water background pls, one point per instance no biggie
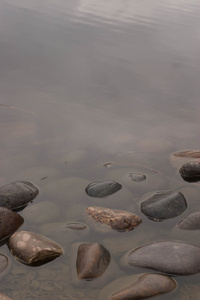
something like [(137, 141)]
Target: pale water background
[(89, 82)]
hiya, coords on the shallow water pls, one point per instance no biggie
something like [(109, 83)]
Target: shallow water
[(94, 90)]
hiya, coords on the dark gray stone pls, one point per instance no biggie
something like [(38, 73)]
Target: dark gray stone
[(177, 258), (164, 205), (190, 171), (102, 189)]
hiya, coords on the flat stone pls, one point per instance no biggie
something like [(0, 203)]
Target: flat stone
[(191, 222), (101, 189), (120, 220), (164, 205), (17, 195), (147, 285), (33, 249), (92, 260), (177, 258)]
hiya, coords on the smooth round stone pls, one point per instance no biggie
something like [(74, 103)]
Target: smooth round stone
[(92, 260), (17, 195), (41, 212), (10, 221), (177, 258), (119, 220), (4, 297), (191, 222), (101, 189), (190, 171), (164, 205), (147, 285), (33, 249)]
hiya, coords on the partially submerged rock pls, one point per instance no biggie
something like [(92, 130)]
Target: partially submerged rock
[(164, 205), (177, 258), (33, 249), (191, 222), (147, 285), (92, 260), (190, 171), (17, 195), (102, 189), (10, 221), (120, 220)]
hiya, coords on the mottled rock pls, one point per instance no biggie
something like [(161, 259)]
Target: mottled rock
[(191, 222), (120, 220), (102, 189), (164, 205), (137, 177), (147, 285), (188, 153), (10, 221), (17, 195), (33, 249), (92, 260), (177, 258), (190, 171)]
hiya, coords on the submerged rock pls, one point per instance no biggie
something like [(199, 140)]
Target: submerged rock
[(190, 171), (10, 221), (191, 222), (92, 261), (4, 265), (188, 153), (164, 205), (17, 195), (137, 177), (177, 258), (120, 220), (33, 249), (102, 189), (147, 285)]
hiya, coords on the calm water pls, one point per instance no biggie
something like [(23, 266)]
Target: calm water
[(89, 82)]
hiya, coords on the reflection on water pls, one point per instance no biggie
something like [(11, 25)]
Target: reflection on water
[(87, 84)]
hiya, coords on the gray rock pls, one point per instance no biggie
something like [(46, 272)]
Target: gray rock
[(177, 258), (164, 205), (102, 189), (17, 195), (33, 249), (137, 177), (190, 171), (191, 222), (147, 285), (92, 260)]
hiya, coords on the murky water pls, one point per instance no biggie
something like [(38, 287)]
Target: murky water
[(93, 90)]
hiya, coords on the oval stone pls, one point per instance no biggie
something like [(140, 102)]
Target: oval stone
[(147, 285), (190, 171), (10, 221), (120, 220), (17, 195), (92, 260), (137, 177), (100, 189), (191, 222), (33, 249), (164, 205), (177, 258)]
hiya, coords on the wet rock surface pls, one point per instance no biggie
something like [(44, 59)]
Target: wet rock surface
[(10, 221), (190, 171), (92, 260), (191, 222), (177, 258), (117, 219), (17, 195), (147, 285), (33, 249), (102, 189), (164, 205)]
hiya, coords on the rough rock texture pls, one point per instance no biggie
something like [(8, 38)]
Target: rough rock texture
[(164, 205), (170, 257), (190, 171), (10, 221), (17, 195), (137, 177), (102, 189), (147, 285), (120, 220), (33, 249), (191, 222), (188, 153), (92, 261)]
